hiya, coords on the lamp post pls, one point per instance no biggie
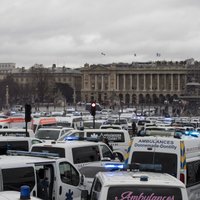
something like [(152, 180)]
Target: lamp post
[(7, 97)]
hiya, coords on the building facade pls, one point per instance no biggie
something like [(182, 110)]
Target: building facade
[(135, 83), (7, 67), (38, 83)]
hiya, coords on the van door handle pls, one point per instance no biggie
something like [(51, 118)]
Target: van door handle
[(60, 190)]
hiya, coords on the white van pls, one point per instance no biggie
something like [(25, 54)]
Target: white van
[(52, 133), (119, 139), (137, 186), (80, 153), (179, 157), (16, 132), (16, 143), (62, 179)]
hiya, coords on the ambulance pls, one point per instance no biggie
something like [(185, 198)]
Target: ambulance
[(14, 122), (119, 139), (178, 156), (46, 175), (137, 186)]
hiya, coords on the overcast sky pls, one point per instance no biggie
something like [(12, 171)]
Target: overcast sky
[(75, 32)]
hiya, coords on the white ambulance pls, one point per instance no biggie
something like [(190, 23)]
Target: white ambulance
[(47, 177), (80, 153), (119, 139), (179, 157), (137, 186)]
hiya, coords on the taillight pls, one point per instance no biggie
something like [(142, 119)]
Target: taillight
[(182, 178)]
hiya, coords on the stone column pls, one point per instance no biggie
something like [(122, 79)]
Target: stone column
[(117, 78), (165, 82), (172, 82), (179, 82), (137, 82), (144, 82), (151, 82), (158, 82), (131, 82), (96, 86), (124, 84), (109, 85), (102, 82)]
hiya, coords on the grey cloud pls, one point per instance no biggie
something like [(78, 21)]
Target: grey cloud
[(75, 32)]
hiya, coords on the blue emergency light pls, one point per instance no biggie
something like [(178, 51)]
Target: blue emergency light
[(25, 192), (114, 166)]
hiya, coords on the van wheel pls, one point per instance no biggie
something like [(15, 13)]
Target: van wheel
[(120, 157)]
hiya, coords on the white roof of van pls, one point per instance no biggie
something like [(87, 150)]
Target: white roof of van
[(134, 178), (69, 144), (20, 161)]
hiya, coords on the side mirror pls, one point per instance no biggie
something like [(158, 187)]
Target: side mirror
[(82, 179)]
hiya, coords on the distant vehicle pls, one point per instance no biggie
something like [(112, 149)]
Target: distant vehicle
[(88, 124), (14, 122), (17, 132), (67, 121), (17, 108), (16, 143), (112, 126), (51, 133), (106, 111)]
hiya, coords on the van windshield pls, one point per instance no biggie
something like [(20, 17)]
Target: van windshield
[(144, 192), (157, 158), (47, 134)]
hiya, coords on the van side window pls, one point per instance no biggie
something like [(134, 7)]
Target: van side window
[(96, 189), (13, 145), (77, 134), (106, 152), (193, 173), (86, 154), (14, 178), (68, 174)]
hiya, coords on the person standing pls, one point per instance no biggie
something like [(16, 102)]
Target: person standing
[(134, 129)]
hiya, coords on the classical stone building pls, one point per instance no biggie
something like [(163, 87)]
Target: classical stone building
[(7, 67), (38, 79), (135, 83)]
